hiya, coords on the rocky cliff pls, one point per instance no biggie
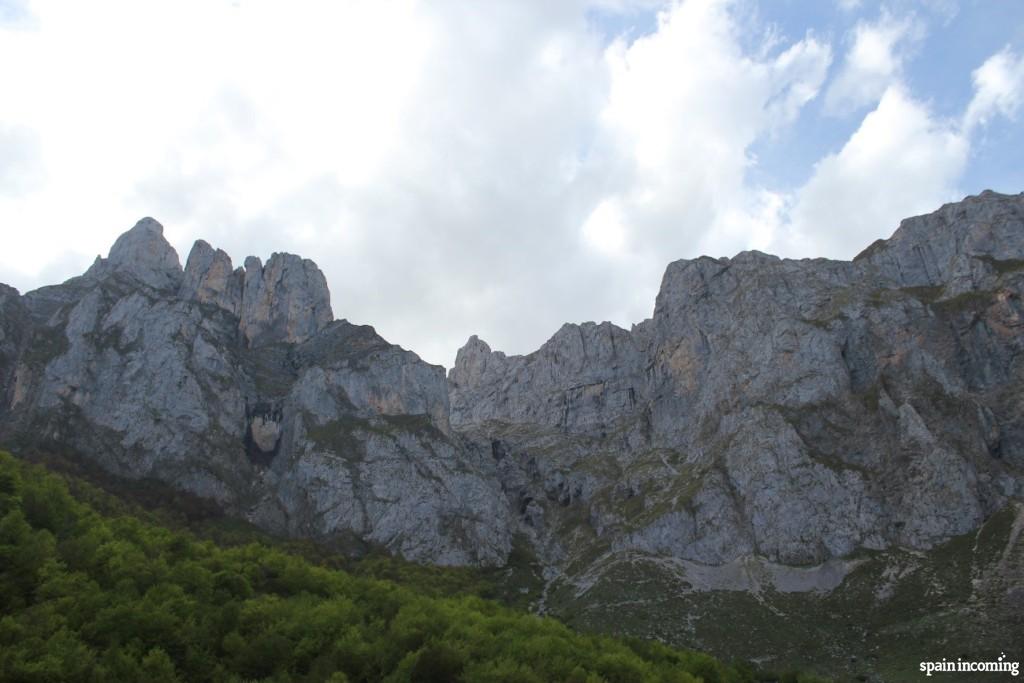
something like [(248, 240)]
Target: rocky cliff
[(794, 411), (239, 386), (789, 413)]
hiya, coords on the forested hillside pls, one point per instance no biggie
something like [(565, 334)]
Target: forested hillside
[(91, 596)]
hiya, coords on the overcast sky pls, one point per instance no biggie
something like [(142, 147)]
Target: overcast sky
[(496, 168)]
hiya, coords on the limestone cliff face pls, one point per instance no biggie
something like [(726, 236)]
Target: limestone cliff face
[(791, 410), (284, 301), (210, 279), (952, 245), (13, 326), (146, 255), (240, 387), (788, 411)]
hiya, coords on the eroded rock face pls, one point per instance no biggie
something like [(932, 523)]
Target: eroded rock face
[(285, 301), (210, 278), (795, 410), (13, 325), (585, 377), (955, 242), (144, 254), (239, 387)]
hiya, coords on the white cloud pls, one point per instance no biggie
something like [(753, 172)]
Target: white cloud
[(873, 62), (15, 13), (449, 165), (454, 168), (900, 162), (998, 89), (903, 160), (604, 229), (685, 105), (21, 170)]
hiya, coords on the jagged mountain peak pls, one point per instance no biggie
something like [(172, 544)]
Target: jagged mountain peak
[(474, 345), (786, 383), (793, 410), (145, 254), (210, 278), (286, 300), (236, 384), (957, 245), (948, 244)]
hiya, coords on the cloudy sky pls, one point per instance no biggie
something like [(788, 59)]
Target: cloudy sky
[(496, 167)]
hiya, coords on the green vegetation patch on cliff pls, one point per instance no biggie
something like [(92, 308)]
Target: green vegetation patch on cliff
[(346, 434), (1002, 266), (895, 608), (967, 302), (341, 435)]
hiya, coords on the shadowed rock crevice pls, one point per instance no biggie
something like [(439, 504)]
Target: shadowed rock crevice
[(263, 432)]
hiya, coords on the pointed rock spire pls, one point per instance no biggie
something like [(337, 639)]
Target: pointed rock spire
[(210, 278), (285, 301), (473, 362), (144, 253)]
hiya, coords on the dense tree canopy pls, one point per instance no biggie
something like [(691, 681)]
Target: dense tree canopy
[(87, 596)]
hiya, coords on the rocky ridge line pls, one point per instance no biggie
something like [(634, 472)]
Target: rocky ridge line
[(238, 385), (793, 411)]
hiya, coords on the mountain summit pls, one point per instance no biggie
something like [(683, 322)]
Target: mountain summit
[(785, 413)]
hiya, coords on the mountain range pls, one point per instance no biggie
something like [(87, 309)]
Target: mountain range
[(775, 430)]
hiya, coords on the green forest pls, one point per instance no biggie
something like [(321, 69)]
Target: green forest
[(94, 591)]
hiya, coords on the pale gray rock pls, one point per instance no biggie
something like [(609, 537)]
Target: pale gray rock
[(13, 327), (583, 379), (143, 253), (793, 410), (245, 392), (285, 301), (210, 278), (937, 248)]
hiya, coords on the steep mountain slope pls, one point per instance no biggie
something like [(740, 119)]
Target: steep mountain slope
[(794, 412), (811, 462), (239, 386), (777, 428), (781, 439), (895, 608)]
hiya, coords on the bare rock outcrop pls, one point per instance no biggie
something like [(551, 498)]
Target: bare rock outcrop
[(285, 301), (209, 278), (794, 410), (145, 255), (238, 386)]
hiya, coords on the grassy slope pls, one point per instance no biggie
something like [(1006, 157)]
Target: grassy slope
[(964, 598)]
